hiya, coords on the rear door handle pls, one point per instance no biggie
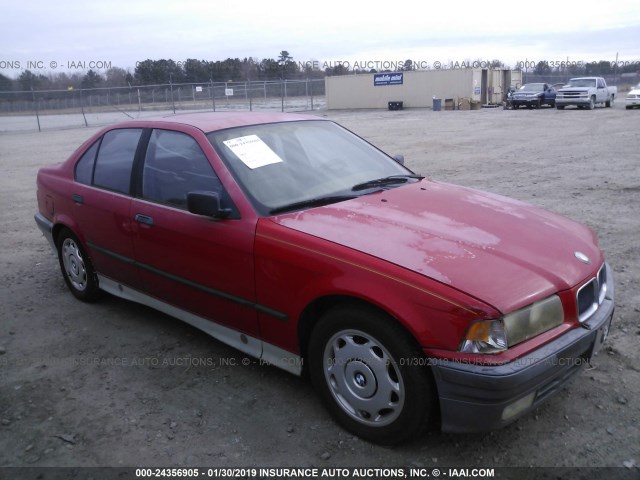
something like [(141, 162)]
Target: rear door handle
[(77, 198), (147, 220)]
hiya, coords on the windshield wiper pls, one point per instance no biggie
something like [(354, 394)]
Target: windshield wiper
[(385, 181), (312, 202)]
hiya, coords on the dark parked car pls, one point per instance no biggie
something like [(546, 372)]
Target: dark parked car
[(294, 240), (534, 95)]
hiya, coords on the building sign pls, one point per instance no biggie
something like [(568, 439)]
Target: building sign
[(380, 79)]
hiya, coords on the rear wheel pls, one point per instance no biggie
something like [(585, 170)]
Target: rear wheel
[(76, 266), (371, 375)]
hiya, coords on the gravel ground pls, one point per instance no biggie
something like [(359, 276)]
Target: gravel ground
[(68, 399)]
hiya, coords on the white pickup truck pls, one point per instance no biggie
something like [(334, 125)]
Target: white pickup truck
[(585, 92)]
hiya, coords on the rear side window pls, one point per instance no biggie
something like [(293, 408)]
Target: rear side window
[(115, 159), (84, 167)]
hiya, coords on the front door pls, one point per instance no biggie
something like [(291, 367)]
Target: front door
[(198, 264)]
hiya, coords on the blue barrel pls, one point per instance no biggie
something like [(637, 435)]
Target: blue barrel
[(437, 104)]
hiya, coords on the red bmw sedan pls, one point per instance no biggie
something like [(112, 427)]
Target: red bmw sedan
[(408, 301)]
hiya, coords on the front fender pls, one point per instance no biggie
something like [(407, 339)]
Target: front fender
[(294, 269)]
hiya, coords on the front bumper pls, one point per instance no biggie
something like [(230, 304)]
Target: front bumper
[(479, 398), (527, 101), (583, 100)]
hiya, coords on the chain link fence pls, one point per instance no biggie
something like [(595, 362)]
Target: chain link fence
[(48, 109)]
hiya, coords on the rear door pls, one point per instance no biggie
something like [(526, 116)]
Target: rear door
[(198, 264), (102, 202)]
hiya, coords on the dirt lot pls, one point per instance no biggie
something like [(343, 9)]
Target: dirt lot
[(60, 405)]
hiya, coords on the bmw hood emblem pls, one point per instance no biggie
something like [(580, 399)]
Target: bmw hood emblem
[(582, 257)]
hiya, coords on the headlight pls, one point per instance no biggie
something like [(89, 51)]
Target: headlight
[(530, 321), (495, 336)]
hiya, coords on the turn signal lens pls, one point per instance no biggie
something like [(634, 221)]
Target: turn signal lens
[(486, 336)]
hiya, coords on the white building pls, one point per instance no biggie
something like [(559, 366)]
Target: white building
[(419, 88)]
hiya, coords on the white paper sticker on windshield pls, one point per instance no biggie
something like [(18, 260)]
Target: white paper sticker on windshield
[(253, 152)]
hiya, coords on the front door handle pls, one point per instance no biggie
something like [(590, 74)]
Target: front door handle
[(147, 220)]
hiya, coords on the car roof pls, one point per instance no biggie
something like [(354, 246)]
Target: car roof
[(212, 121)]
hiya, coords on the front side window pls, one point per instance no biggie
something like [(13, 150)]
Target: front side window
[(115, 159), (174, 166)]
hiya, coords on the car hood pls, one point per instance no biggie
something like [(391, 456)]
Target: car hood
[(635, 91), (575, 89), (501, 251)]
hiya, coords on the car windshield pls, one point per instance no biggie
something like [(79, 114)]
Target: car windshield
[(532, 87), (582, 82), (285, 166)]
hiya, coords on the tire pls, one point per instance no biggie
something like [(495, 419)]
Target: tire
[(609, 102), (516, 106), (628, 107), (592, 103), (77, 268), (538, 104), (560, 107), (371, 375)]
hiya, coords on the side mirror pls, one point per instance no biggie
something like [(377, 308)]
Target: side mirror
[(399, 158), (206, 203)]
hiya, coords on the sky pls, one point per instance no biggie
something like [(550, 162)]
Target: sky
[(72, 36)]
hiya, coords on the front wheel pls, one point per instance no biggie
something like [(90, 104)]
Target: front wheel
[(592, 103), (371, 375), (76, 266), (559, 107)]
